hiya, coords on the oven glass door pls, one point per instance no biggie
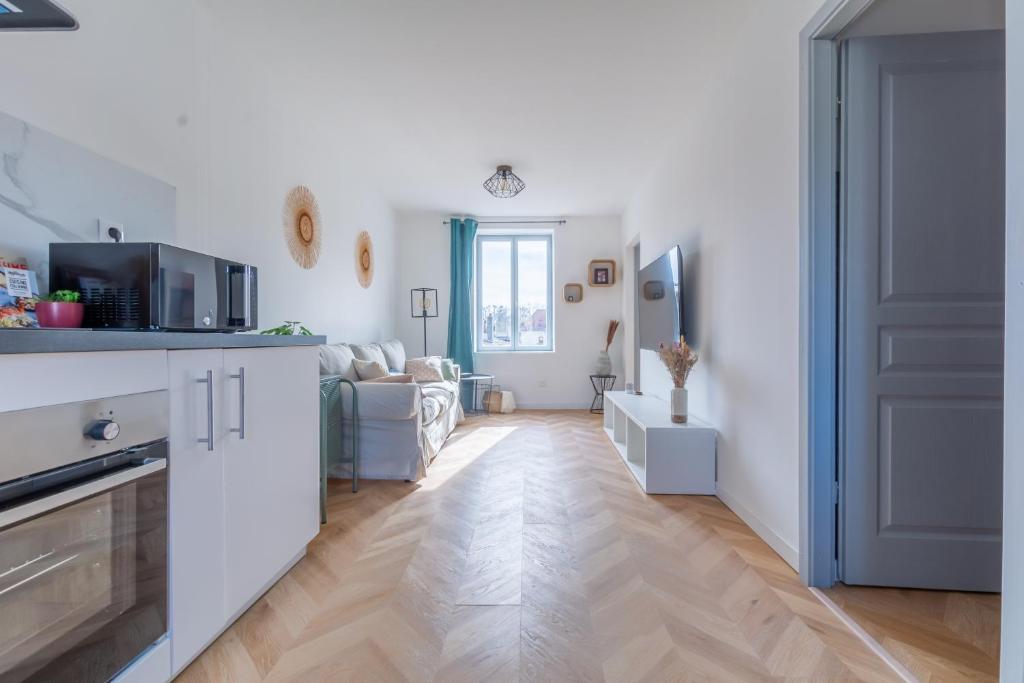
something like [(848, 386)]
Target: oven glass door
[(83, 586)]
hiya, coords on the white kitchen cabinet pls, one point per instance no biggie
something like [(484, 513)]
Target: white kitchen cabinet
[(271, 498), (196, 495), (242, 512)]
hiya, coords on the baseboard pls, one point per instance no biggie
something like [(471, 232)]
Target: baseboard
[(784, 550)]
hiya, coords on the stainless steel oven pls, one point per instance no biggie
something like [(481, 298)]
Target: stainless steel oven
[(83, 537)]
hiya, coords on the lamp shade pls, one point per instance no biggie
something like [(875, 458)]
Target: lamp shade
[(504, 184), (423, 302)]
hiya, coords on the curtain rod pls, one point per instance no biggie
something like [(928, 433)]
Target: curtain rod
[(560, 221)]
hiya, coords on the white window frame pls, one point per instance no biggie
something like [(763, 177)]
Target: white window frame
[(513, 238)]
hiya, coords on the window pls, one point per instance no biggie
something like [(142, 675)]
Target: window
[(513, 293)]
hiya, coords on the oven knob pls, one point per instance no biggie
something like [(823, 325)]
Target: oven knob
[(103, 430)]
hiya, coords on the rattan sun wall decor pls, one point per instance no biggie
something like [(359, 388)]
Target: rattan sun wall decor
[(301, 218), (364, 259)]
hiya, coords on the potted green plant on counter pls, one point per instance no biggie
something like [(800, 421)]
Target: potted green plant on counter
[(289, 328), (60, 309)]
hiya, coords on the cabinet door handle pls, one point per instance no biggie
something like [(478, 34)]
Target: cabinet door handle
[(240, 429), (208, 381)]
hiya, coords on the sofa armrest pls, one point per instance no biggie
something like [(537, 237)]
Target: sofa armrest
[(458, 373), (377, 400), (381, 401)]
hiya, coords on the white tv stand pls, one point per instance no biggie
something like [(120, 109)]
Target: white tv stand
[(665, 457)]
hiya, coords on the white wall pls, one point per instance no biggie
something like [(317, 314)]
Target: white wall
[(123, 86), (1012, 666), (52, 190), (264, 133), (728, 194), (201, 99), (539, 380)]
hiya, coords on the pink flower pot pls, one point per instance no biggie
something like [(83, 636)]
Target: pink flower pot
[(59, 314)]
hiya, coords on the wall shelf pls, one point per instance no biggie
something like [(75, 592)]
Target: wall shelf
[(572, 293), (664, 457)]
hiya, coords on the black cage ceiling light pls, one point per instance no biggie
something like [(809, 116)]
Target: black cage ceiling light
[(504, 183)]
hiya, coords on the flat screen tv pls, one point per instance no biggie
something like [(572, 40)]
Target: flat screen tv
[(660, 312)]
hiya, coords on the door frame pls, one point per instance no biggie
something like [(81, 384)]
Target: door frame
[(819, 288), (818, 315), (819, 401)]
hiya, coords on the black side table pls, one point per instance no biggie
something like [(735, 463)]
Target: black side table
[(601, 384)]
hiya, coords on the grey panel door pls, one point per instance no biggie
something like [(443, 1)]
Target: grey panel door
[(921, 311)]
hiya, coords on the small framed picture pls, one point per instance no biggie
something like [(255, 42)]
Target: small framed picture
[(602, 273)]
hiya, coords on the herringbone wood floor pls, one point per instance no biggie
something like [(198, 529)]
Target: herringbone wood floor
[(529, 553), (936, 635)]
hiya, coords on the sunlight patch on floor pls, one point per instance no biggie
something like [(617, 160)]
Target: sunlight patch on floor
[(460, 452)]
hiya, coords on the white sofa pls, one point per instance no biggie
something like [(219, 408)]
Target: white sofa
[(402, 426)]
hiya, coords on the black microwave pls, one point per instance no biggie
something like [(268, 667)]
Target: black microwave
[(152, 286)]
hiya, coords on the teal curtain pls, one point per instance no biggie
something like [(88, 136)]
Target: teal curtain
[(460, 313)]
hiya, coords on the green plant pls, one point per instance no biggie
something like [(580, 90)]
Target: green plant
[(66, 296), (289, 328)]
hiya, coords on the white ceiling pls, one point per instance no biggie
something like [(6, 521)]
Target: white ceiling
[(579, 96)]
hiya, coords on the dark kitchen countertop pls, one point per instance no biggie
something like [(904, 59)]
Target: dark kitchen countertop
[(75, 341)]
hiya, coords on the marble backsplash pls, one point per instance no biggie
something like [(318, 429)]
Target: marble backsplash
[(52, 190)]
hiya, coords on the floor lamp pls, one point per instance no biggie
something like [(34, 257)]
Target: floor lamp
[(423, 302)]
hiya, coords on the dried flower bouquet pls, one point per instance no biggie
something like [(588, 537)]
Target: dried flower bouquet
[(679, 358)]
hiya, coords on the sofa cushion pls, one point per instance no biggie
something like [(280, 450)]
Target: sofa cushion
[(425, 369), (394, 354), (336, 359), (369, 369), (448, 369), (369, 352)]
